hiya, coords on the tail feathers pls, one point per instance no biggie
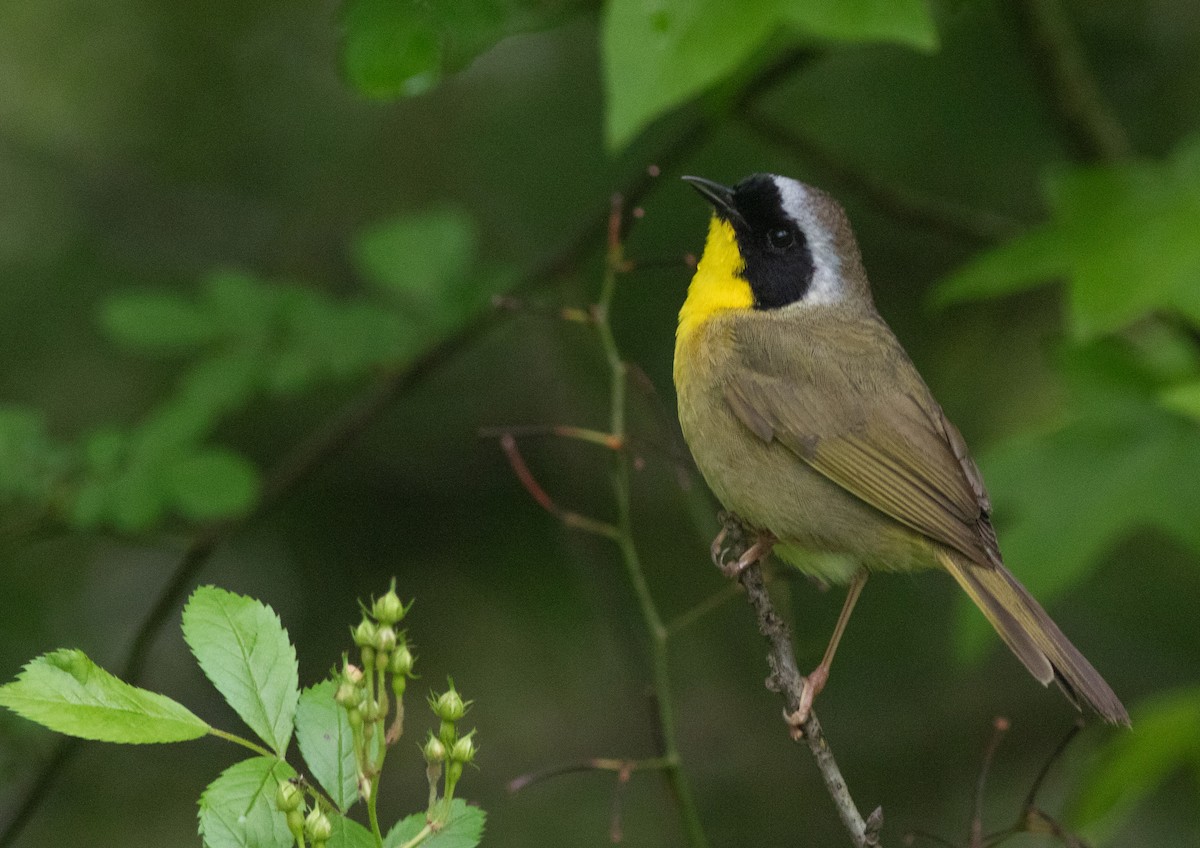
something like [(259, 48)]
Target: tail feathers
[(1033, 637)]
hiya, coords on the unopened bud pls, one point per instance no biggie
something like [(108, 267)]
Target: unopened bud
[(464, 749), (435, 751), (288, 796), (317, 825), (352, 674), (364, 634), (385, 639), (402, 662), (389, 609), (449, 706)]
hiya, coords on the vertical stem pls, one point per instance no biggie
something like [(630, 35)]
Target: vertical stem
[(618, 390)]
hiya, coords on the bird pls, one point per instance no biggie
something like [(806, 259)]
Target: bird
[(810, 423)]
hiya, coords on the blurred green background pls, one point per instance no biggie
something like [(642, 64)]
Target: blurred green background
[(208, 248)]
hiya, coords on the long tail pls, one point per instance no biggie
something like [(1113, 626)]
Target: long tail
[(1033, 637)]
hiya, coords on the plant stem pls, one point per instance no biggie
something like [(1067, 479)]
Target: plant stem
[(245, 743), (618, 389), (419, 838)]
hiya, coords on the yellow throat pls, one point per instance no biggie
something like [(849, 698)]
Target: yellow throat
[(717, 286)]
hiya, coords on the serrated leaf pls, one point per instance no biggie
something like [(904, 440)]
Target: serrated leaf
[(68, 693), (157, 322), (463, 828), (659, 54), (327, 743), (1123, 236), (399, 48), (244, 650), (212, 484), (348, 833), (1165, 739), (237, 810)]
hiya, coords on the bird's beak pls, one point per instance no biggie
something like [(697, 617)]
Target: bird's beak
[(721, 197)]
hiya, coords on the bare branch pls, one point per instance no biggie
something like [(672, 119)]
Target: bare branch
[(787, 680)]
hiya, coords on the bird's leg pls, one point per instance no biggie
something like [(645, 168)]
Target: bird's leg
[(815, 682)]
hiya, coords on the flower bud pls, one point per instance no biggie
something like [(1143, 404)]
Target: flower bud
[(389, 609), (348, 696), (435, 751), (402, 661), (364, 634), (352, 674), (463, 750), (449, 706), (317, 825), (288, 796), (385, 639)]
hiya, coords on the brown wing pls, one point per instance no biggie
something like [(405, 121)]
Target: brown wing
[(868, 423)]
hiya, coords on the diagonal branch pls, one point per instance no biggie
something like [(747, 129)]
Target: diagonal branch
[(786, 679), (1089, 123)]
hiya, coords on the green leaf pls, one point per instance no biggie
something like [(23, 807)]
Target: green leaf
[(1064, 497), (405, 47), (463, 829), (68, 693), (416, 257), (424, 263), (326, 741), (1164, 740), (157, 322), (237, 810), (658, 54), (245, 652), (212, 484), (1123, 235), (1184, 399), (348, 833), (30, 463), (1031, 260)]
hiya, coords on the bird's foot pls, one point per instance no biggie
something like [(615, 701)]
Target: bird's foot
[(758, 551), (813, 684)]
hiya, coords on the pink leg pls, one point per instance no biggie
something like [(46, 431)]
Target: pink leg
[(815, 682)]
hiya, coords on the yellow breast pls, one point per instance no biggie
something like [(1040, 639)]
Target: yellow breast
[(717, 286)]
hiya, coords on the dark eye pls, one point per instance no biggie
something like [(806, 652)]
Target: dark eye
[(781, 239)]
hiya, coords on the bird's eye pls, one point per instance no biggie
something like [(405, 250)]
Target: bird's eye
[(781, 239)]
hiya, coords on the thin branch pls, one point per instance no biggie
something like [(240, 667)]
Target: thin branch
[(713, 602), (571, 519), (612, 764), (1091, 126), (975, 838), (786, 679), (952, 220), (622, 492)]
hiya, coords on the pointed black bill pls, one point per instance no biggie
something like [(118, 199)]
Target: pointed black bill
[(720, 196)]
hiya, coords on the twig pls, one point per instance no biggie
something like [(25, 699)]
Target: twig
[(953, 220), (571, 519), (1030, 818), (999, 728), (622, 492), (787, 680), (1090, 125)]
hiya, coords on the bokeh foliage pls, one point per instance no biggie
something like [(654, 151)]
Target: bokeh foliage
[(372, 175)]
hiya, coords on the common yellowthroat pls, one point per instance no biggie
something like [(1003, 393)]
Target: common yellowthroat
[(809, 421)]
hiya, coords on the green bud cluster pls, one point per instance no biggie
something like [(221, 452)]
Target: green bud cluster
[(448, 747)]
